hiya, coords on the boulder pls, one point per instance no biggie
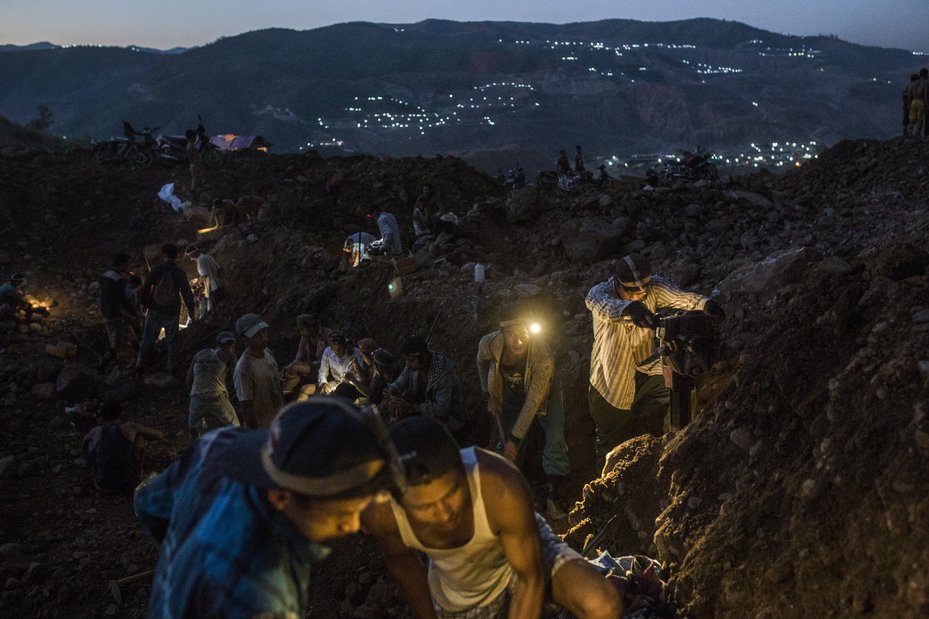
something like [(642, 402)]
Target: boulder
[(522, 205), (76, 382), (61, 350), (770, 274), (526, 291), (590, 239), (46, 392), (753, 198)]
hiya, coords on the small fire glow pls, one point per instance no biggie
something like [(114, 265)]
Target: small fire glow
[(45, 303)]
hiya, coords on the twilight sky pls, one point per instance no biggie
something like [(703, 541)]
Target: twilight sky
[(168, 23)]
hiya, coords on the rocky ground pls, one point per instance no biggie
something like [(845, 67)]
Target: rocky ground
[(800, 487)]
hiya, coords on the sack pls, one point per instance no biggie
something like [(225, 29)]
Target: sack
[(640, 584), (165, 293)]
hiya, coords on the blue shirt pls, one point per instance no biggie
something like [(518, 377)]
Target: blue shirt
[(225, 551), (10, 295)]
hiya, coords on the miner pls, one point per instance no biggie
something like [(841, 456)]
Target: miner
[(470, 512), (517, 374), (244, 514), (626, 380)]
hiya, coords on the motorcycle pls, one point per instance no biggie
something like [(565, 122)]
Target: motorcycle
[(174, 147), (124, 150), (140, 148), (515, 179), (693, 167)]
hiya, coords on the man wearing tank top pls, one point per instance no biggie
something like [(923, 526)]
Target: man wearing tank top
[(210, 407), (490, 555)]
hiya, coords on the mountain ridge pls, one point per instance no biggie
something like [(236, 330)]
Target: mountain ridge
[(616, 85)]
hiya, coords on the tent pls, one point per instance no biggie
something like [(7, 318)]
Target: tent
[(231, 141)]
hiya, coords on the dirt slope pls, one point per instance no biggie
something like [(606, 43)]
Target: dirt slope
[(800, 486)]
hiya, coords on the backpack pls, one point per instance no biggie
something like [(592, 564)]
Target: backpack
[(165, 291), (111, 296)]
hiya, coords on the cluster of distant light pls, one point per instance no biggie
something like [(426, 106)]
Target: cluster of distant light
[(803, 52), (331, 142), (418, 118), (502, 85), (778, 154), (705, 69), (484, 103), (600, 46), (920, 53)]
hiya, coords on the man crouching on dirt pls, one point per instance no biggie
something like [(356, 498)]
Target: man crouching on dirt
[(490, 555), (242, 516)]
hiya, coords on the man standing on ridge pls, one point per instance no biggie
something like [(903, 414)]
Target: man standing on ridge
[(625, 374), (919, 103)]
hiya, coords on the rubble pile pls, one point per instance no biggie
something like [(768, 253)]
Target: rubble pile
[(799, 486)]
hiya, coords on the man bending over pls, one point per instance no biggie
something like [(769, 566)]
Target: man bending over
[(490, 555)]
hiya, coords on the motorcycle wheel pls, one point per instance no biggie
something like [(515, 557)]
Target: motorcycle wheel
[(212, 158), (585, 190), (142, 158), (100, 156)]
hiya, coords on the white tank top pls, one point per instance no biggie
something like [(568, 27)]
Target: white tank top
[(471, 575), (209, 374)]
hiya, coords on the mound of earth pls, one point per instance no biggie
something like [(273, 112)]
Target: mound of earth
[(800, 486)]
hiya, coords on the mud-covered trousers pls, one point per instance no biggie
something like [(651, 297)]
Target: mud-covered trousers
[(616, 425)]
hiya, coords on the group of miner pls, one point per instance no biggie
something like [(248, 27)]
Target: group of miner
[(350, 436)]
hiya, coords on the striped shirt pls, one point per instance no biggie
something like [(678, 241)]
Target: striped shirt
[(620, 347)]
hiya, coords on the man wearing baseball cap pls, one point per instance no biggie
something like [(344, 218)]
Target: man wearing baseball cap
[(243, 515), (625, 375), (256, 376)]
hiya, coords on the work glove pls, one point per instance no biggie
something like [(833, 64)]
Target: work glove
[(714, 309), (640, 315)]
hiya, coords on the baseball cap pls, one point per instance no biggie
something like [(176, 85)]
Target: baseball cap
[(224, 337), (633, 272), (383, 357), (426, 449), (249, 324), (321, 447)]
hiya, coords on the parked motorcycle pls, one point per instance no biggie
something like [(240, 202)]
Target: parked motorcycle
[(137, 153), (174, 147), (692, 166), (515, 178), (140, 148)]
